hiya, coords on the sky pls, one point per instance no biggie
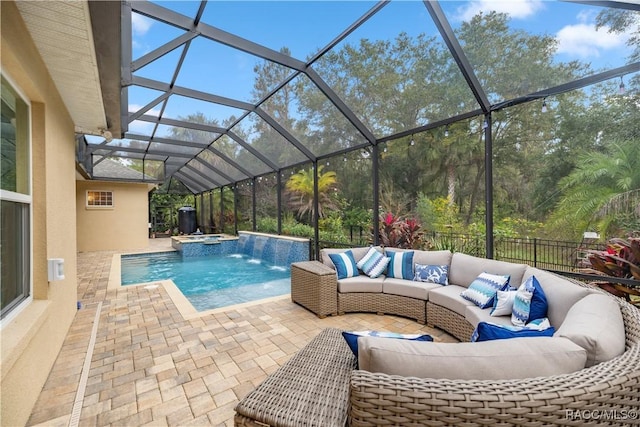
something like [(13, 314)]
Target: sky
[(307, 26)]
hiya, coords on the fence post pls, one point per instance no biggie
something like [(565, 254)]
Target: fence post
[(535, 251)]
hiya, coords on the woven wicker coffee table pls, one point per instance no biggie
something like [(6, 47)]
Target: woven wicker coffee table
[(311, 389), (313, 286)]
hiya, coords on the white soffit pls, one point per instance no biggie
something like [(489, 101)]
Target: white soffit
[(61, 31)]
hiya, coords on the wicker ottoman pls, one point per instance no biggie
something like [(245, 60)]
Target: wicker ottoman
[(311, 389), (313, 286)]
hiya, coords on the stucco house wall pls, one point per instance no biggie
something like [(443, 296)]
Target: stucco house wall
[(123, 227), (32, 339)]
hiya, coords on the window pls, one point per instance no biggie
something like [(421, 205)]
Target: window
[(99, 199), (15, 200)]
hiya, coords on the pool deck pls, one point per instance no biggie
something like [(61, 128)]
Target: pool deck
[(150, 365)]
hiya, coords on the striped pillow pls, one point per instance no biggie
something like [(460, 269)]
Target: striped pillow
[(484, 288), (400, 265), (345, 264), (373, 264), (530, 303)]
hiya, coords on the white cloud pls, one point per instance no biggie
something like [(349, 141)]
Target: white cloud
[(518, 9), (133, 108), (140, 24), (583, 40)]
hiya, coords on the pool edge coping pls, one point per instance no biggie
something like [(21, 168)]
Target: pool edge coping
[(182, 303)]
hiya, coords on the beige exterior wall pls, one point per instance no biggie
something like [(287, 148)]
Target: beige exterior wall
[(123, 227), (32, 339)]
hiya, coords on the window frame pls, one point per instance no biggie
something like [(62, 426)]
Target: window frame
[(27, 199), (90, 206)]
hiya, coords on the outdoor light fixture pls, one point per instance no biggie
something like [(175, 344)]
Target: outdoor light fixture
[(344, 158), (412, 142), (365, 154), (446, 131), (544, 105), (384, 149), (621, 88)]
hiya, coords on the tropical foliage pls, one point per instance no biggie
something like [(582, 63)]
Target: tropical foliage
[(621, 258), (301, 191)]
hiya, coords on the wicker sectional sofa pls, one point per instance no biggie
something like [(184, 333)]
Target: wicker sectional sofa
[(588, 373)]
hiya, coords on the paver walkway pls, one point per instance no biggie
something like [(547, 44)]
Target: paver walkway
[(152, 367)]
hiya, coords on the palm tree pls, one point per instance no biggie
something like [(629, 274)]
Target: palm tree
[(602, 191), (300, 188)]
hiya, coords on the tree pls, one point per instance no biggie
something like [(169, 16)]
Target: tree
[(602, 184), (301, 190)]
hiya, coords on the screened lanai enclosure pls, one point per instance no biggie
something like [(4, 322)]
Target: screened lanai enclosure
[(332, 119)]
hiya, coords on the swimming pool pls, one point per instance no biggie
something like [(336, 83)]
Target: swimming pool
[(209, 282)]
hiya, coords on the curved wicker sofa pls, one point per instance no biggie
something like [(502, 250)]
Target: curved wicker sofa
[(605, 394), (319, 386)]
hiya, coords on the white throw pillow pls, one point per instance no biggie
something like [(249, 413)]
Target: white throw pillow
[(503, 303)]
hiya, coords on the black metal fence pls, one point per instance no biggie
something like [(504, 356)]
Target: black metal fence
[(542, 253)]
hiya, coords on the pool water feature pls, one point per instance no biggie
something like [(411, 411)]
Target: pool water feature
[(212, 281), (214, 271)]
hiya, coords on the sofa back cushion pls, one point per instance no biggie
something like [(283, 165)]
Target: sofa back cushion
[(358, 254), (427, 257), (595, 323), (488, 360), (465, 268), (561, 294)]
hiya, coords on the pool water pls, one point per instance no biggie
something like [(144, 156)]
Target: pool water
[(210, 281)]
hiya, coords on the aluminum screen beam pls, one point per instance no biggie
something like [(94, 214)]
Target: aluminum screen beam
[(162, 50), (114, 149), (165, 141), (253, 151), (214, 169), (231, 162), (202, 175), (340, 105), (285, 133), (190, 93), (628, 5), (182, 124), (573, 85), (178, 20), (439, 18), (193, 186)]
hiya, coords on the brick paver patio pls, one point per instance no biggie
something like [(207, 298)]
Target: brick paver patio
[(151, 366)]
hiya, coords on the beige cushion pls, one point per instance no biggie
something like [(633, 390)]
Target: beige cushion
[(449, 297), (408, 288), (428, 257), (360, 283), (561, 293), (487, 360), (595, 324), (474, 315), (465, 268)]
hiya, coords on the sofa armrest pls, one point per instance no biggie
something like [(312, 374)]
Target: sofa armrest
[(315, 286)]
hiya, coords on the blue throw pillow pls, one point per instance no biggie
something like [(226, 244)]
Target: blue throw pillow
[(484, 288), (432, 274), (539, 304), (352, 337), (400, 265), (530, 303), (488, 331), (345, 264)]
